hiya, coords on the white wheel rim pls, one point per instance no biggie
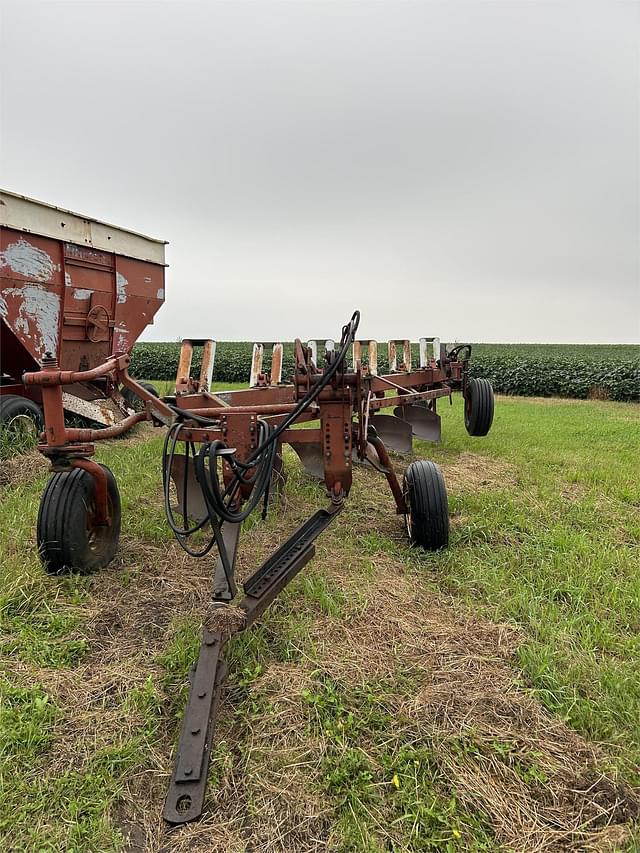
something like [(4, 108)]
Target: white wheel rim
[(22, 425)]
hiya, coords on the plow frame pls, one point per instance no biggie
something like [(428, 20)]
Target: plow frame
[(360, 393), (351, 428)]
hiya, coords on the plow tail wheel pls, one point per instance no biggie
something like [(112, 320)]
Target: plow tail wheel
[(478, 407), (426, 496), (68, 538)]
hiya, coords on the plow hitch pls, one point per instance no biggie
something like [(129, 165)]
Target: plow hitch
[(185, 797)]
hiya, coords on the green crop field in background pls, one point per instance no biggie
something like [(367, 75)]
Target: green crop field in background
[(538, 370)]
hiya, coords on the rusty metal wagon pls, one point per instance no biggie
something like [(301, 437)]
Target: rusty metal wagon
[(223, 458), (74, 289)]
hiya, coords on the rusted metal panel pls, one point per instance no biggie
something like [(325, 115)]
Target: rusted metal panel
[(184, 367), (78, 302), (371, 367), (66, 288), (206, 368), (31, 287), (103, 412), (373, 358), (393, 356), (406, 354), (139, 294), (276, 365), (405, 350), (260, 376)]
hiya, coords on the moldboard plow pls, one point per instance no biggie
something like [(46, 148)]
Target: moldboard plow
[(222, 459)]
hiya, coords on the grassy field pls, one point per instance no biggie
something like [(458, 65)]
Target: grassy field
[(482, 698)]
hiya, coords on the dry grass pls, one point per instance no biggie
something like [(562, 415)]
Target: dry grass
[(26, 467), (468, 693), (471, 472), (22, 469)]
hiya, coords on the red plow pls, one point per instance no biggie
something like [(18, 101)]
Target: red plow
[(223, 459)]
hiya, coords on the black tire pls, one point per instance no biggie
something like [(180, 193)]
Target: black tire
[(21, 420), (133, 401), (426, 497), (68, 541), (478, 407)]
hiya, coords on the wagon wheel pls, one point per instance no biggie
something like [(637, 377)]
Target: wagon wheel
[(133, 401), (425, 494), (20, 421), (68, 538)]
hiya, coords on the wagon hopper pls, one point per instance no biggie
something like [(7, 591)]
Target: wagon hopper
[(74, 289)]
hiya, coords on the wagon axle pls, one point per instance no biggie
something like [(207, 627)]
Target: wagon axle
[(223, 457)]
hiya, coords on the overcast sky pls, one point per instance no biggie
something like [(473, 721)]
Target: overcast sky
[(462, 169)]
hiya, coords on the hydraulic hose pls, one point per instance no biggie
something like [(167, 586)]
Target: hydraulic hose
[(224, 504)]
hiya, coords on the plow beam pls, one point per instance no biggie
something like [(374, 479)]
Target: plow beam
[(189, 778)]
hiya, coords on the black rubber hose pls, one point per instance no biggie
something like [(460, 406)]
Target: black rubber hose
[(219, 502), (210, 485), (181, 533)]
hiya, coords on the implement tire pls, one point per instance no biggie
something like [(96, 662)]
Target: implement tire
[(478, 407), (425, 493), (20, 420), (68, 539), (133, 401)]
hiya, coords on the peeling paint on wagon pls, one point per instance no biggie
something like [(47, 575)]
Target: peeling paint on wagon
[(42, 307), (74, 287), (81, 293), (120, 339), (24, 259), (121, 288)]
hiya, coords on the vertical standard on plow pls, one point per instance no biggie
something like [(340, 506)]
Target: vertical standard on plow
[(222, 458)]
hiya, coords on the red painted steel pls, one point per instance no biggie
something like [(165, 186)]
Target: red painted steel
[(237, 438), (77, 303)]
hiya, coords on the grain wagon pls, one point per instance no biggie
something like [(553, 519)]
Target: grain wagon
[(74, 289)]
